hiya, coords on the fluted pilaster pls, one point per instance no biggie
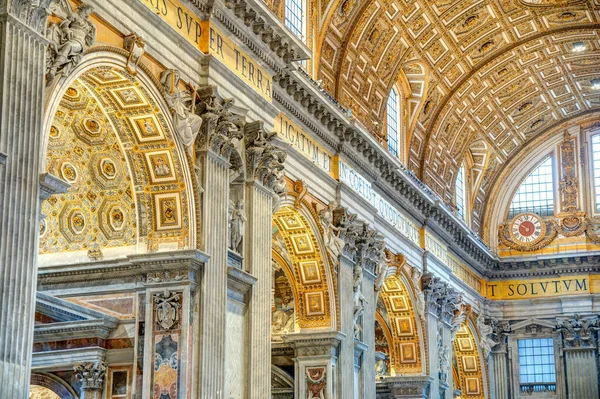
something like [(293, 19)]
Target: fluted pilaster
[(582, 373), (22, 65), (498, 369), (258, 264), (215, 199), (346, 389)]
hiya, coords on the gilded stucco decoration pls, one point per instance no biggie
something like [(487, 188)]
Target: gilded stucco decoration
[(299, 243), (112, 143), (400, 320), (501, 71), (467, 364)]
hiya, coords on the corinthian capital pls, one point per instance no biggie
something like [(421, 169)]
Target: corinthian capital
[(578, 332), (91, 375), (264, 161), (222, 130)]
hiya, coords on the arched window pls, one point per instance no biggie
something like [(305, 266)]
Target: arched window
[(596, 166), (294, 17), (392, 122), (460, 192), (536, 192)]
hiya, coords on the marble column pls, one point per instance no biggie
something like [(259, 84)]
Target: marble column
[(264, 182), (91, 376), (214, 171), (346, 356), (257, 260), (442, 305), (367, 372), (213, 151), (22, 68)]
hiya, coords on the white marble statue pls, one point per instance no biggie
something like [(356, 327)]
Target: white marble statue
[(237, 223), (68, 40), (187, 124), (331, 234)]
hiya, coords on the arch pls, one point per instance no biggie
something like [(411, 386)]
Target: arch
[(407, 353), (282, 384), (54, 384), (470, 365), (300, 239), (130, 110)]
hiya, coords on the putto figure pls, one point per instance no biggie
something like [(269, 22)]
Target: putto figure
[(68, 40)]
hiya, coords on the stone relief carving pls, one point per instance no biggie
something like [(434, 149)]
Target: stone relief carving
[(237, 223), (569, 185), (69, 38), (166, 308), (187, 123), (91, 375), (331, 233), (578, 332)]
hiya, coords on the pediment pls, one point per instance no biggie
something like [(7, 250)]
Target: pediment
[(533, 323), (58, 320)]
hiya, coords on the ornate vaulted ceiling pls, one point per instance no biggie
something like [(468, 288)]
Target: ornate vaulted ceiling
[(498, 74)]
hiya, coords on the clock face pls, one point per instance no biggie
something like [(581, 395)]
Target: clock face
[(528, 228)]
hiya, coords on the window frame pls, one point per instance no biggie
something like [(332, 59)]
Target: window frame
[(461, 209), (552, 158), (396, 150), (303, 19), (593, 189), (513, 356)]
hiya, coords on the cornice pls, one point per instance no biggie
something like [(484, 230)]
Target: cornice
[(71, 330), (548, 266), (273, 43), (239, 283), (136, 269)]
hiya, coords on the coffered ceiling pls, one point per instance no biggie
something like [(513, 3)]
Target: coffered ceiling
[(498, 74)]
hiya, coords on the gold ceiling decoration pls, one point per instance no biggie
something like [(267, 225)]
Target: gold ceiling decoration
[(110, 141), (500, 71), (310, 275), (401, 321), (468, 364)]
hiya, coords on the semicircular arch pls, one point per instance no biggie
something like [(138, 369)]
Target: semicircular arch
[(103, 109), (312, 275)]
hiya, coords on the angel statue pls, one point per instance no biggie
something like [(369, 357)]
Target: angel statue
[(331, 234), (187, 123), (69, 39)]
